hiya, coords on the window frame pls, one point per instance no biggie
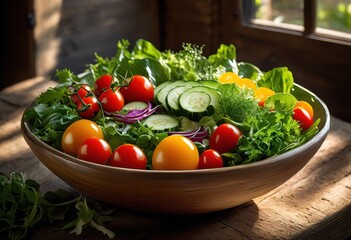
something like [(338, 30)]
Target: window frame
[(309, 29), (319, 63)]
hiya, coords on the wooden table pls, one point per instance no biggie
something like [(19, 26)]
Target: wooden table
[(314, 204)]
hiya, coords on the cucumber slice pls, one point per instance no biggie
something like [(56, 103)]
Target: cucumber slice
[(161, 123), (161, 86), (173, 101), (214, 95), (172, 98), (162, 94), (135, 106), (194, 103)]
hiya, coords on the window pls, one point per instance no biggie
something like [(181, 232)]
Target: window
[(325, 18), (297, 34)]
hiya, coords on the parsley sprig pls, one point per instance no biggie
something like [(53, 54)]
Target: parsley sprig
[(23, 207)]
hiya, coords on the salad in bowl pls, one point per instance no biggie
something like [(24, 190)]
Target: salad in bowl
[(153, 130)]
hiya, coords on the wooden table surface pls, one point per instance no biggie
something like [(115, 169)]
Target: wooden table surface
[(313, 204)]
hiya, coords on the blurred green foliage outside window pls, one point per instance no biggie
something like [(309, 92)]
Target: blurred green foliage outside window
[(331, 14)]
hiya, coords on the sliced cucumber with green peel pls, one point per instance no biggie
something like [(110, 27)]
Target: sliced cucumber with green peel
[(172, 98), (135, 106), (162, 94), (161, 86), (194, 103), (205, 98), (161, 123), (214, 95)]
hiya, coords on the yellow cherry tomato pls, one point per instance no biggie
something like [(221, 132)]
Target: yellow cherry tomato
[(77, 133), (228, 77), (305, 105), (246, 82), (175, 152), (262, 93)]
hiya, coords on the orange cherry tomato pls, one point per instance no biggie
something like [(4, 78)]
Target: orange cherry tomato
[(262, 93), (77, 133), (305, 105), (228, 77), (175, 152), (246, 83)]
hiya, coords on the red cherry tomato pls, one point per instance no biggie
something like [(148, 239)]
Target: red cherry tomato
[(81, 93), (225, 138), (210, 159), (88, 107), (102, 83), (95, 150), (128, 156), (111, 101), (303, 117), (138, 89)]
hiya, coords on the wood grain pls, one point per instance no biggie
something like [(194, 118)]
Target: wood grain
[(68, 33)]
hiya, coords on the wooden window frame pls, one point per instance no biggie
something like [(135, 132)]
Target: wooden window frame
[(318, 62)]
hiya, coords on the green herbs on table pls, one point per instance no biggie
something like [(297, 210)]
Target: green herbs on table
[(23, 207)]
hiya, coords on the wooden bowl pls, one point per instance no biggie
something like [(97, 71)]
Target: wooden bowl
[(182, 192)]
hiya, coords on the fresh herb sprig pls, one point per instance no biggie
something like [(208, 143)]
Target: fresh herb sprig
[(23, 207)]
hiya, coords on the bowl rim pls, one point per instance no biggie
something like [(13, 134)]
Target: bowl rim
[(322, 133)]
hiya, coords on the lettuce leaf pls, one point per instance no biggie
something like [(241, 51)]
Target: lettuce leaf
[(280, 80)]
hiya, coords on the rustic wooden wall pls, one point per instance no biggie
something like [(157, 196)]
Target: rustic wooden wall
[(17, 41), (188, 21), (68, 33)]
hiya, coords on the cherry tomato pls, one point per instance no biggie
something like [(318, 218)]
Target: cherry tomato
[(138, 89), (95, 150), (210, 159), (246, 83), (262, 93), (303, 117), (305, 105), (81, 93), (88, 107), (225, 138), (111, 101), (128, 156), (76, 133), (102, 83), (175, 152), (228, 77)]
